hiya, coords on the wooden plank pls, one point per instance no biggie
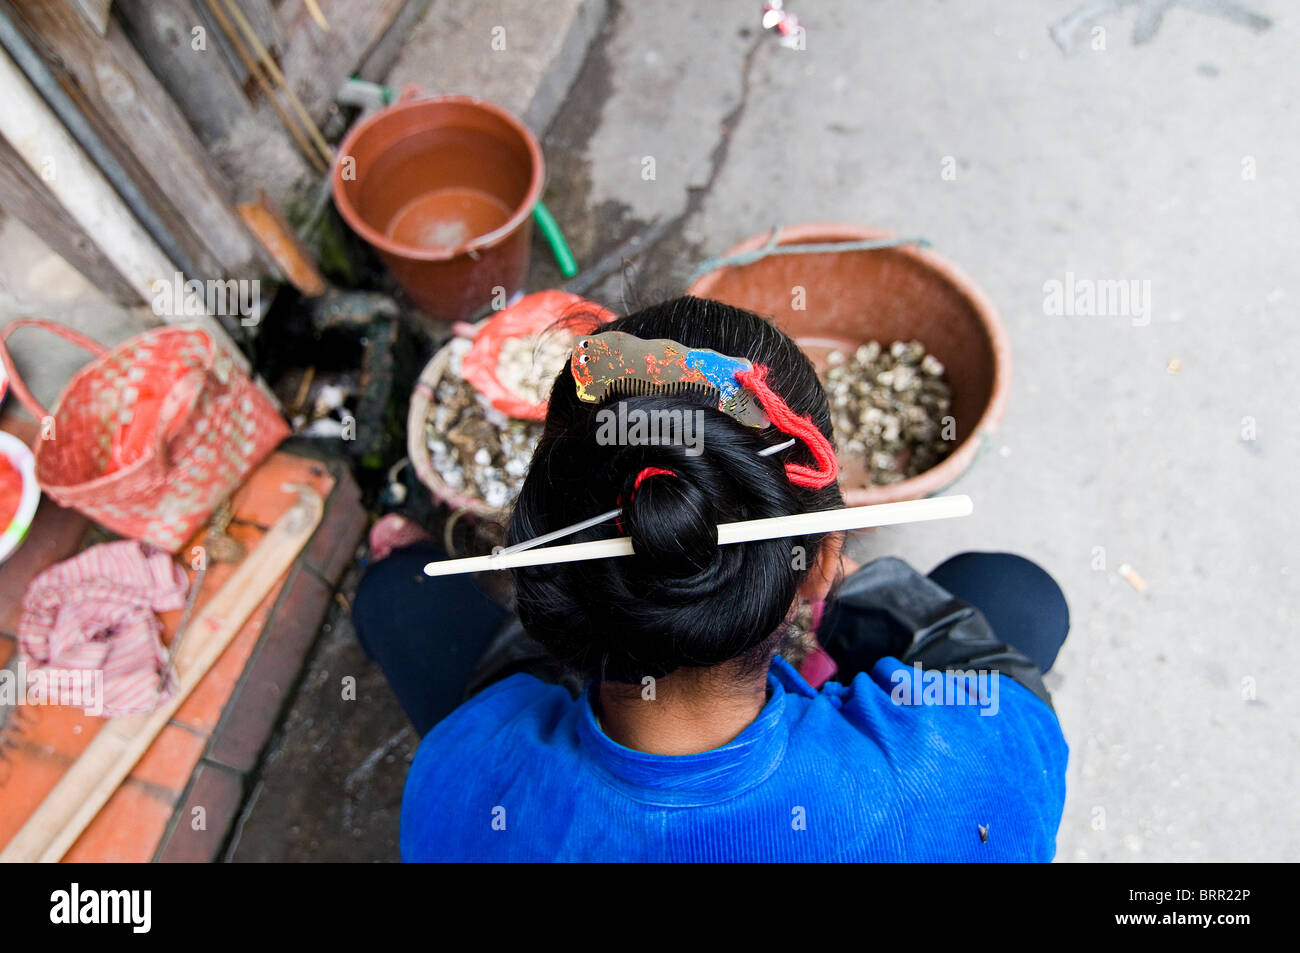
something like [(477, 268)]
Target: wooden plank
[(24, 196), (41, 141), (383, 53), (199, 80), (109, 758), (136, 119), (95, 12), (265, 220)]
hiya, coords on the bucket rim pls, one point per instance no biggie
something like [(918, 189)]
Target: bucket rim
[(489, 240), (951, 468)]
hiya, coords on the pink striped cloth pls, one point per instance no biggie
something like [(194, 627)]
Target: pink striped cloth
[(96, 611)]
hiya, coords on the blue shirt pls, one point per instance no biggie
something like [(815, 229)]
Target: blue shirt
[(875, 770)]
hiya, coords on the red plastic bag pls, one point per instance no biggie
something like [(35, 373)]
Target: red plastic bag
[(135, 438), (530, 315)]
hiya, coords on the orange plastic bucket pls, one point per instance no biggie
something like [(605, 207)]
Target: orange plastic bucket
[(444, 190)]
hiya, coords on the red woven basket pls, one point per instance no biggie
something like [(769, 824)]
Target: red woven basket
[(148, 438)]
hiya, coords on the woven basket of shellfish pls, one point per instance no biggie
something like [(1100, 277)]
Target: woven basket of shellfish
[(472, 456)]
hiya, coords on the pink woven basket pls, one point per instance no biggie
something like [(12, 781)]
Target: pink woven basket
[(149, 437)]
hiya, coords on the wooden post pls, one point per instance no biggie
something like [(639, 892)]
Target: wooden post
[(200, 81)]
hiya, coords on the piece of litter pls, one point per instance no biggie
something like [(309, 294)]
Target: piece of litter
[(330, 397), (786, 24), (1174, 366), (1132, 577), (324, 427)]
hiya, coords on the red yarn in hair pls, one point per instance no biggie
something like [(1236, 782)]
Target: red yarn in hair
[(647, 473), (641, 477), (827, 467), (796, 425)]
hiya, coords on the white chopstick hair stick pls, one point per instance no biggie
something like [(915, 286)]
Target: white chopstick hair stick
[(746, 531)]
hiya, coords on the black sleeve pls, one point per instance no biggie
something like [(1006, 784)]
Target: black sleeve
[(888, 608)]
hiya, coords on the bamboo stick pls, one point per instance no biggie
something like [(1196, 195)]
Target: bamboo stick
[(255, 43), (251, 65)]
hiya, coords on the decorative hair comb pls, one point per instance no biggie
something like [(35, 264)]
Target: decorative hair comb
[(615, 363), (746, 531)]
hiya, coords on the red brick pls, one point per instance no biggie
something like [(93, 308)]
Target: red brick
[(220, 792), (255, 706), (129, 827), (333, 546)]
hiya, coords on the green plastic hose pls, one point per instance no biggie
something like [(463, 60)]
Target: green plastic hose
[(555, 238)]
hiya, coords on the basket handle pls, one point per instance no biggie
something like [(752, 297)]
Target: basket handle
[(173, 410), (15, 382)]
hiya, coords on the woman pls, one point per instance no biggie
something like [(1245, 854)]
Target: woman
[(691, 738)]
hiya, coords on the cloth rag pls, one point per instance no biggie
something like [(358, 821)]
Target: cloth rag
[(97, 612)]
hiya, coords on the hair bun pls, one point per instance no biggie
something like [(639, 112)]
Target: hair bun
[(671, 521)]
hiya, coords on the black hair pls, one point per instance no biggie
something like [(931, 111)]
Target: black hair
[(682, 600)]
